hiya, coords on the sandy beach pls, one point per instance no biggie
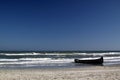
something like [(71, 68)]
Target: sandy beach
[(92, 73)]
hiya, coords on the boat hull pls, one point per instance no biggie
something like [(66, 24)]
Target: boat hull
[(93, 61)]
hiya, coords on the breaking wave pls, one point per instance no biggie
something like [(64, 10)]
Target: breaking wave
[(53, 59)]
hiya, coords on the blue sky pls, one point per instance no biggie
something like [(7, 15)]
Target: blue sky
[(59, 25)]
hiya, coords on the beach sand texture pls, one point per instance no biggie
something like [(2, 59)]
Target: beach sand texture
[(93, 73)]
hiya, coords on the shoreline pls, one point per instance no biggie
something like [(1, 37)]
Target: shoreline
[(89, 73)]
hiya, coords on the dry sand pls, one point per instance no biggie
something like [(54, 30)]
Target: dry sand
[(92, 73)]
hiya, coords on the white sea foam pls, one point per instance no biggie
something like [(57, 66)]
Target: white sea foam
[(98, 54), (8, 60), (35, 61), (20, 54), (116, 57), (84, 54)]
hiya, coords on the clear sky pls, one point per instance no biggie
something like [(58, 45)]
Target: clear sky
[(59, 24)]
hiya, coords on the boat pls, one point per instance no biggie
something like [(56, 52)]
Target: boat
[(90, 61)]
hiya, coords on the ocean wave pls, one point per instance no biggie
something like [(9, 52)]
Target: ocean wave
[(40, 59), (34, 61), (8, 60), (99, 54), (62, 54), (52, 62), (19, 54)]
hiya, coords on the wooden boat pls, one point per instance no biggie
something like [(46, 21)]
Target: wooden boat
[(91, 61)]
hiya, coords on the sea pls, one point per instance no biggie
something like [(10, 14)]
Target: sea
[(54, 59)]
